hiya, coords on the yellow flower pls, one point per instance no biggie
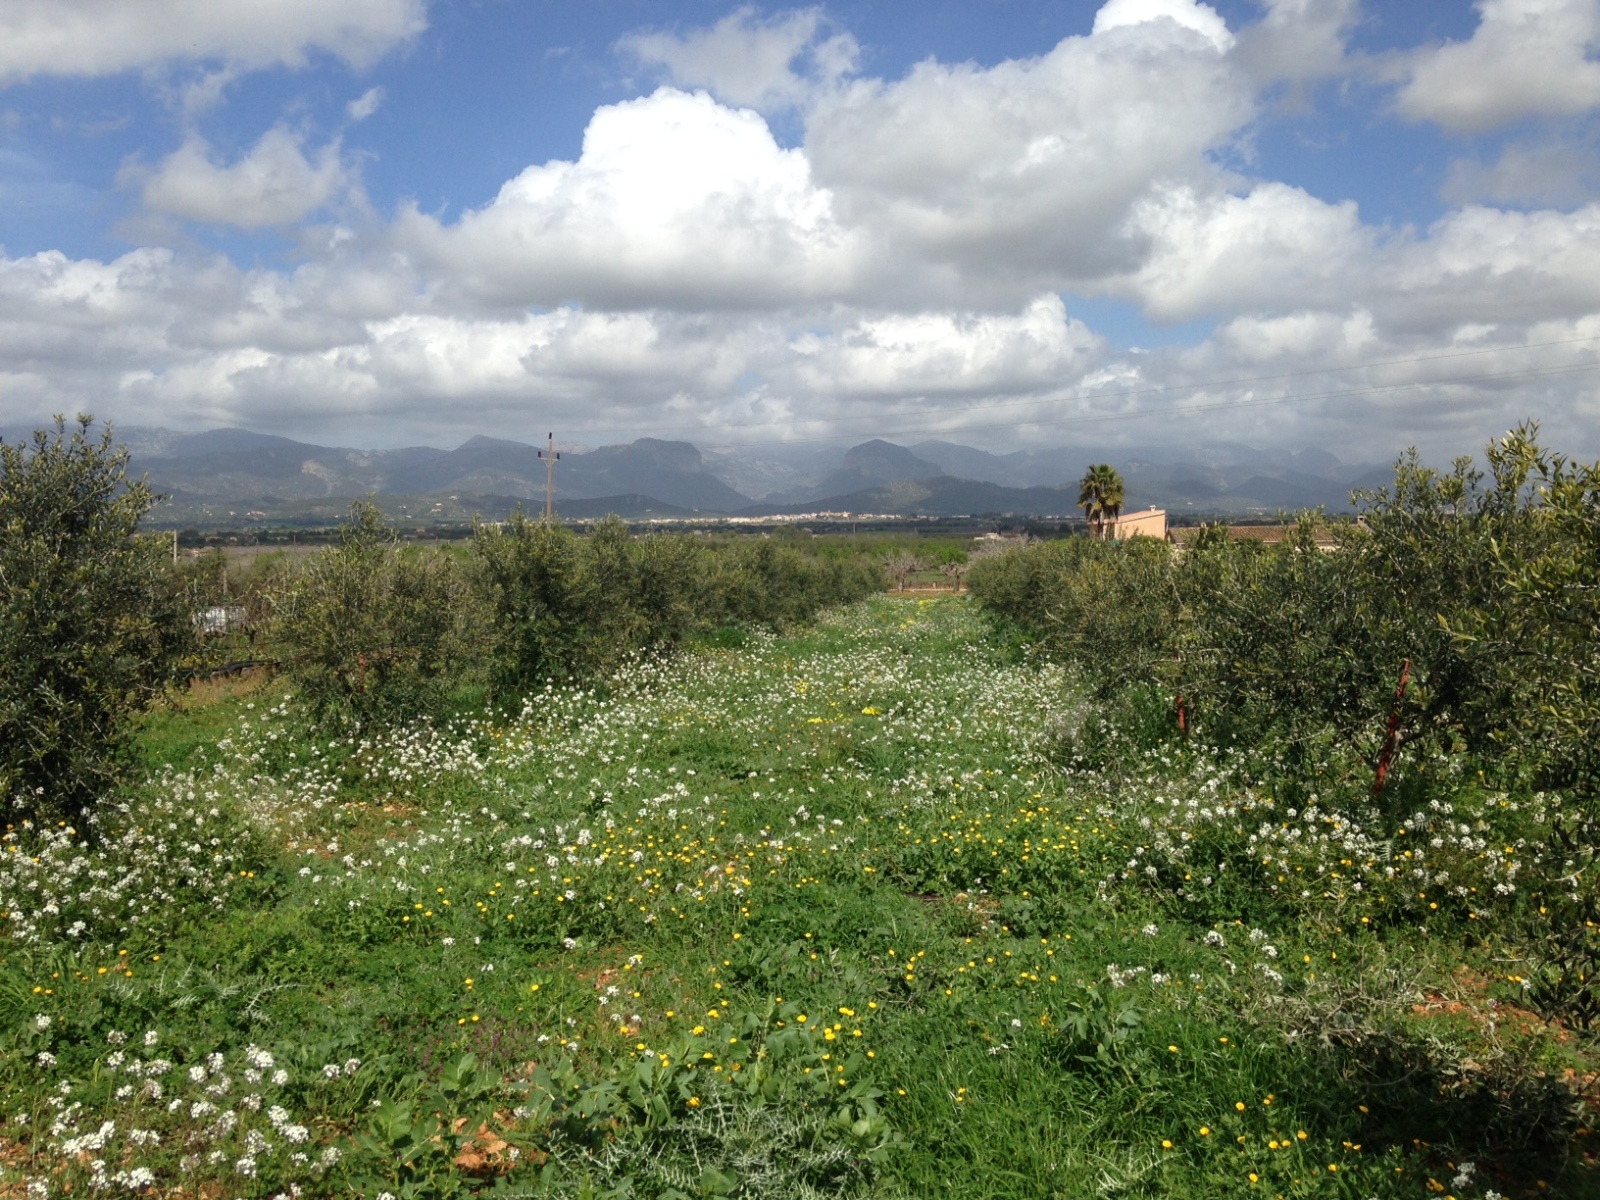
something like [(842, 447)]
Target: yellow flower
[(1239, 1104), (1205, 1131), (1166, 1143)]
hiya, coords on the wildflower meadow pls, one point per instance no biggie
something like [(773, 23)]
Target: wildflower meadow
[(821, 914)]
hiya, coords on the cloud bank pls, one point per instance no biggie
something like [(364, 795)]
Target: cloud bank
[(925, 260)]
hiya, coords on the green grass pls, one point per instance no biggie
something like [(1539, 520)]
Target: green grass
[(864, 824)]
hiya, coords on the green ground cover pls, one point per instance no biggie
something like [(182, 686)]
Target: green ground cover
[(876, 908)]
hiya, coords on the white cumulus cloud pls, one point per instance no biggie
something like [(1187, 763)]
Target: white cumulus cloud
[(101, 37), (946, 353), (274, 184), (1299, 41), (1526, 58), (675, 200), (1186, 14), (1011, 177), (747, 60), (1275, 248)]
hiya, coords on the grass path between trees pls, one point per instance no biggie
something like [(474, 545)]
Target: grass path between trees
[(813, 915)]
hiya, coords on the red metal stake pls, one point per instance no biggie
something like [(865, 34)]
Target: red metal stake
[(1387, 756)]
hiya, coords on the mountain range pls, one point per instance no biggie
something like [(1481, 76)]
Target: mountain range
[(234, 475)]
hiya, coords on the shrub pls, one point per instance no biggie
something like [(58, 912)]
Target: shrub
[(564, 606), (1110, 607), (88, 621), (533, 581), (764, 582), (377, 633)]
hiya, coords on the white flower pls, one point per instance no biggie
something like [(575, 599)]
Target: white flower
[(41, 1021), (151, 1037), (1150, 930), (280, 1077), (197, 1074), (246, 1167), (330, 1070), (330, 1156), (46, 1059), (352, 1065)]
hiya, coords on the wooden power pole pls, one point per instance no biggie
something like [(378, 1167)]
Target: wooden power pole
[(550, 459)]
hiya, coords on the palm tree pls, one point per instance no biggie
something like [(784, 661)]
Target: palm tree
[(1100, 495)]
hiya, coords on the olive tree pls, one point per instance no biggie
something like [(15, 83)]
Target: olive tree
[(88, 620), (375, 632)]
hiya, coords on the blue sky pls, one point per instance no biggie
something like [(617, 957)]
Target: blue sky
[(384, 221)]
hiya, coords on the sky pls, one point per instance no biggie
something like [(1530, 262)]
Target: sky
[(1353, 225)]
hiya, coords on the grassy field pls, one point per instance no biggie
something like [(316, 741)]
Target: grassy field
[(873, 909)]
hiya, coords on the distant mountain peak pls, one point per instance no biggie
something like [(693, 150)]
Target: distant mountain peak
[(884, 461), (480, 442)]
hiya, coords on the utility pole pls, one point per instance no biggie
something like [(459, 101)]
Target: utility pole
[(550, 459)]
